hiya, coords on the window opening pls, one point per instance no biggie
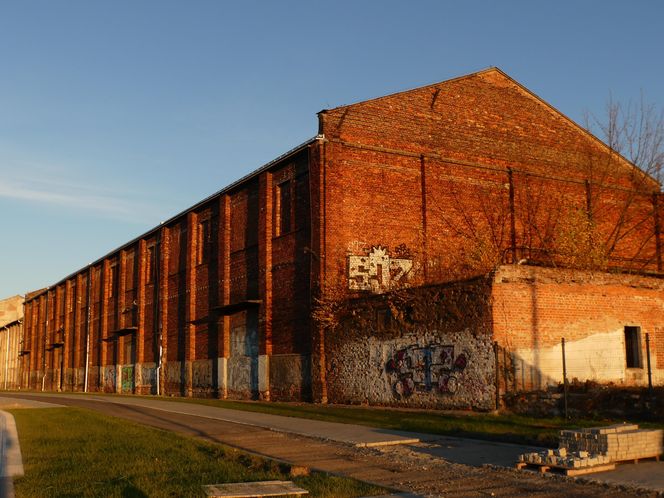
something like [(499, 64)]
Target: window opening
[(633, 347)]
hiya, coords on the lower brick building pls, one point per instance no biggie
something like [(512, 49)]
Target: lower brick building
[(11, 337), (473, 184), (458, 344)]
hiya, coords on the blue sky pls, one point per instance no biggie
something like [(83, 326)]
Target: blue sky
[(116, 115)]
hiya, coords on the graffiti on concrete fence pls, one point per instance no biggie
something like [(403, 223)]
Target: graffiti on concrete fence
[(109, 374), (377, 271), (432, 368)]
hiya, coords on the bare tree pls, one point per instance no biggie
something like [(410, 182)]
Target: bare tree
[(634, 130)]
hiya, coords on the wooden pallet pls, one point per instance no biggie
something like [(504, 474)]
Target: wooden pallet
[(578, 471), (637, 460), (568, 471)]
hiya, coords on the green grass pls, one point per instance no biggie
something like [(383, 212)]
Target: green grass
[(75, 452)]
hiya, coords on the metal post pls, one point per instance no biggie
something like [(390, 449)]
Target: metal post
[(648, 359), (7, 355), (495, 354), (564, 376), (510, 179), (658, 241), (87, 329)]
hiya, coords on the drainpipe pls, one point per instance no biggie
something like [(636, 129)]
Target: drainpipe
[(6, 356), (87, 331), (45, 341), (19, 363), (157, 304)]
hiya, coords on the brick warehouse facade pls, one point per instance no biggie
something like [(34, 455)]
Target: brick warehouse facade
[(246, 293)]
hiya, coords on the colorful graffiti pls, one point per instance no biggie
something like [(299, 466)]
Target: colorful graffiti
[(377, 271), (432, 368)]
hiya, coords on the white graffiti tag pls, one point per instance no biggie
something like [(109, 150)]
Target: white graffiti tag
[(376, 272)]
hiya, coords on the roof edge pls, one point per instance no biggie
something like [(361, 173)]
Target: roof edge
[(428, 85), (231, 186)]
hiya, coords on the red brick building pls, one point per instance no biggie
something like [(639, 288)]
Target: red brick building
[(436, 186)]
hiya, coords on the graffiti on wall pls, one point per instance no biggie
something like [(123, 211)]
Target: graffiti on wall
[(377, 271), (433, 368), (109, 375)]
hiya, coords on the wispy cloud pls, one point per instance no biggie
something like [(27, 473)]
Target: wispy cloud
[(93, 200)]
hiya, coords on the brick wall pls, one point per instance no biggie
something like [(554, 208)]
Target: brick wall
[(474, 171), (166, 291)]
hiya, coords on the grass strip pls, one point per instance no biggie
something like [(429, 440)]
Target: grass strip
[(74, 452)]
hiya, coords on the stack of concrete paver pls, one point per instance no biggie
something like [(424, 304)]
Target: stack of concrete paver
[(600, 445), (562, 458)]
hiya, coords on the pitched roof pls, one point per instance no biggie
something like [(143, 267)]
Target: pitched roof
[(553, 110)]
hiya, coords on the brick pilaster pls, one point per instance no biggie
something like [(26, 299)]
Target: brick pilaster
[(140, 315), (103, 326), (162, 319), (190, 302)]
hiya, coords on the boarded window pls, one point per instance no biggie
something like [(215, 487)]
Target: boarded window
[(633, 347)]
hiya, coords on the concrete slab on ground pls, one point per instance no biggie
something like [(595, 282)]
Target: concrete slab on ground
[(355, 435), (474, 452), (644, 473)]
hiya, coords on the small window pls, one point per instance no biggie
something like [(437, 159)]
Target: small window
[(203, 242), (284, 208), (633, 347)]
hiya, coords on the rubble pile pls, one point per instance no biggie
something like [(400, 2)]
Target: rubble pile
[(599, 446)]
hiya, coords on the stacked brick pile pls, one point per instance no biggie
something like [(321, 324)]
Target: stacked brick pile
[(600, 445), (562, 458)]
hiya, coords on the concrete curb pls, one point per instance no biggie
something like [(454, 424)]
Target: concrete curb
[(11, 461)]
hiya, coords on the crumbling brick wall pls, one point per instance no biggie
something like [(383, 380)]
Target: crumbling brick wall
[(534, 308), (427, 347)]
